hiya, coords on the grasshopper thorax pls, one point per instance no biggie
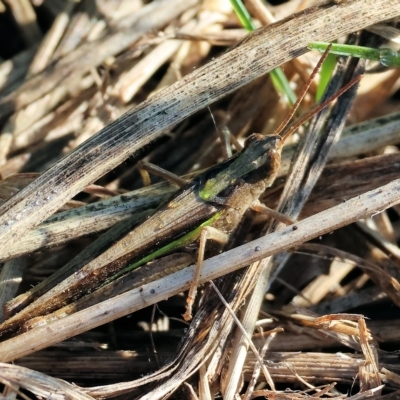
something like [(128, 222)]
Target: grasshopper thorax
[(259, 160)]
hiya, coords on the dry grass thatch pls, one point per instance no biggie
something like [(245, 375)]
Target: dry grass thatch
[(304, 310)]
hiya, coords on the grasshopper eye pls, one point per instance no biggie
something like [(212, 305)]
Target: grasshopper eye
[(252, 138)]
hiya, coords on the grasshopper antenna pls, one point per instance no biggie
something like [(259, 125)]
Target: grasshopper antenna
[(303, 92), (318, 108)]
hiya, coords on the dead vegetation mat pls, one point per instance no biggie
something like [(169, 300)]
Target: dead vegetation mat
[(88, 89)]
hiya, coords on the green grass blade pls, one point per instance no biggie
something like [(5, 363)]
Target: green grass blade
[(243, 15), (281, 84), (325, 75), (279, 80)]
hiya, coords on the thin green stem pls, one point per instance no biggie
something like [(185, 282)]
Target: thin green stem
[(387, 57)]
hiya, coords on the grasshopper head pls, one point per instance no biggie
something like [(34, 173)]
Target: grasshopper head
[(263, 153)]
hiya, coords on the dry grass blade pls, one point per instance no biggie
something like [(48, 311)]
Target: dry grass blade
[(40, 384), (255, 56), (90, 218), (369, 372)]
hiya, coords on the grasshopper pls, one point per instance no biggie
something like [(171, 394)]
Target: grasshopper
[(211, 206)]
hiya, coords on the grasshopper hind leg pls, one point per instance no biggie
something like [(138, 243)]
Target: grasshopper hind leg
[(263, 209), (207, 233), (217, 235)]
